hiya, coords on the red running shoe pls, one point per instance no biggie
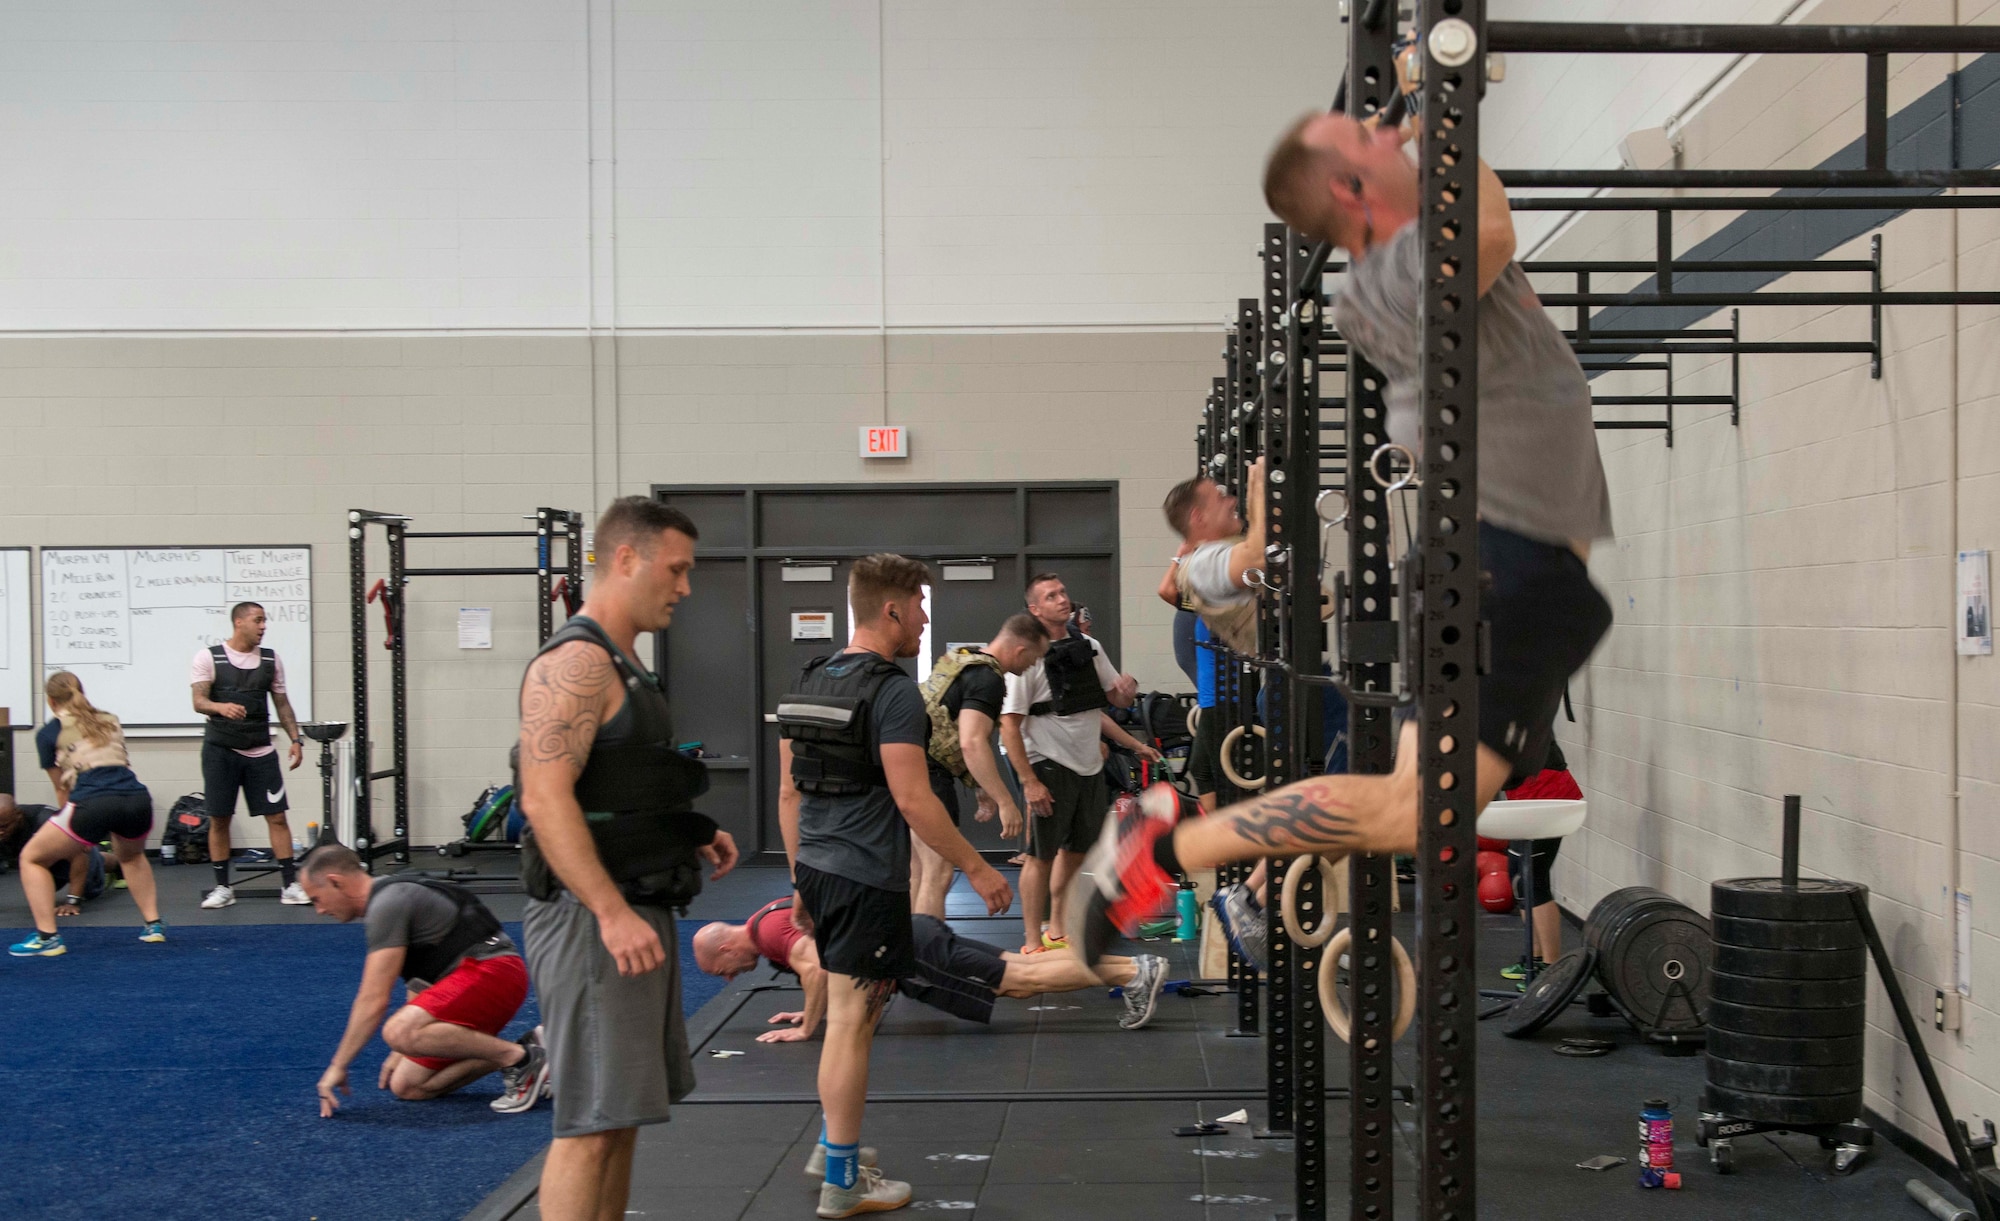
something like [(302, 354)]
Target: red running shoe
[(1120, 885)]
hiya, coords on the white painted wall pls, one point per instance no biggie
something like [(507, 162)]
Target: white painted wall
[(249, 165)]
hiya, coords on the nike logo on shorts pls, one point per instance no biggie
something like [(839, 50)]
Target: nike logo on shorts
[(277, 796)]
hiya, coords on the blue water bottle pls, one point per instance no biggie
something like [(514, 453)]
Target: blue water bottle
[(1190, 913)]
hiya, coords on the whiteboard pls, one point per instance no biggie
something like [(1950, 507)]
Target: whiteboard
[(17, 664), (127, 621)]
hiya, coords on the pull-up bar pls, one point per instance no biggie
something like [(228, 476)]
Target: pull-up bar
[(1603, 37)]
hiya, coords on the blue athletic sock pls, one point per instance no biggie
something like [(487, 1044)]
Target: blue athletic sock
[(843, 1163)]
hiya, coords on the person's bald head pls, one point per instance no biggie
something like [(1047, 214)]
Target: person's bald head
[(10, 813), (724, 949)]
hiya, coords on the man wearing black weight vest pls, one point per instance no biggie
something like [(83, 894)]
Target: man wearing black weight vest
[(854, 784), (614, 843)]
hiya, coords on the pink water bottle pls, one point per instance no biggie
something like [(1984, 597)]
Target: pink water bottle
[(1656, 1146)]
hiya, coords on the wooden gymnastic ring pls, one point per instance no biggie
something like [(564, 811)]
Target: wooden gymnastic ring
[(1194, 718), (1329, 993), (1229, 741), (1288, 900)]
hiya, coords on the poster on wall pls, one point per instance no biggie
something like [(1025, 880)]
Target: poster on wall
[(1975, 604)]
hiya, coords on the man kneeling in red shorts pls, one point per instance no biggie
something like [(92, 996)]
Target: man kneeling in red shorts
[(464, 977)]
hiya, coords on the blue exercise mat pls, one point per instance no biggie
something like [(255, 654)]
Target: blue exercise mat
[(175, 1082)]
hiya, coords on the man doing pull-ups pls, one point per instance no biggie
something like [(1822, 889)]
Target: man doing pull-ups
[(1542, 501)]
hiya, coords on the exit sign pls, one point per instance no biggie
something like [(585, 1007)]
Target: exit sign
[(885, 442)]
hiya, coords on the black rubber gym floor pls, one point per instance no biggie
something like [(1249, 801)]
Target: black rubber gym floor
[(737, 1148)]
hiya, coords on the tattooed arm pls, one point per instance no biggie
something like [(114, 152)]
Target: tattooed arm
[(568, 693), (208, 707)]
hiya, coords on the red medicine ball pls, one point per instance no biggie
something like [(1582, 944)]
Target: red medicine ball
[(1496, 893), (1490, 862), (1488, 844)]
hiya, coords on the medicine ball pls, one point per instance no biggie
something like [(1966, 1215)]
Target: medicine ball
[(1490, 862), (1496, 893)]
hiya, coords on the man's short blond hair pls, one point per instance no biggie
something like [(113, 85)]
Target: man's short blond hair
[(1295, 176)]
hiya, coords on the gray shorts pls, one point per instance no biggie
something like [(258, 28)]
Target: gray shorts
[(618, 1047)]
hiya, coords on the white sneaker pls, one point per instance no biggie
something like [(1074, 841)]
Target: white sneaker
[(294, 894), (221, 896), (871, 1193)]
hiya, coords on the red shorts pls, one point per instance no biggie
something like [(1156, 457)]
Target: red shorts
[(479, 994)]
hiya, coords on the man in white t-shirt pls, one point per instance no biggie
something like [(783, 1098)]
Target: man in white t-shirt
[(1054, 719), (236, 685)]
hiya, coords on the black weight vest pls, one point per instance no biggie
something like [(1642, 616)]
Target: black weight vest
[(828, 717), (474, 926), (250, 688), (1071, 668), (637, 790)]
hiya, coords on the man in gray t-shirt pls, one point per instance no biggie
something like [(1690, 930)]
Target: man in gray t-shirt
[(847, 804), (464, 979), (1542, 501)]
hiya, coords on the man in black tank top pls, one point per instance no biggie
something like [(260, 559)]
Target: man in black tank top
[(602, 786)]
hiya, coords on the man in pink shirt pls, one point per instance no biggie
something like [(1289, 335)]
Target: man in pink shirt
[(236, 684)]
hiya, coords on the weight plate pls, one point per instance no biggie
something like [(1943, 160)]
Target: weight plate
[(1771, 899), (1792, 993), (1776, 1108), (1786, 1023), (1759, 1049), (1580, 1051), (1653, 955), (1789, 1080), (1550, 994), (1787, 934), (1791, 964), (1613, 907)]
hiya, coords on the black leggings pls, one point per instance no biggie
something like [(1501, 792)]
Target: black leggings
[(1543, 853)]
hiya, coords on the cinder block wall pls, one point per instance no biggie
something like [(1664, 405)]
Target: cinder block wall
[(250, 440), (1784, 589)]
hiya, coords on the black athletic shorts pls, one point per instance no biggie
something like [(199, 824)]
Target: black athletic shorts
[(1544, 619), (947, 788), (1080, 802), (262, 781), (859, 930), (1205, 753), (126, 815), (955, 974)]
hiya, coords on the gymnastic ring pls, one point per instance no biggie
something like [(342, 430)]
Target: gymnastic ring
[(1329, 991), (1229, 741), (1288, 905), (1408, 479), (1194, 718)]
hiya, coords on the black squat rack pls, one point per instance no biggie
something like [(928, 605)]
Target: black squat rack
[(1396, 649), (553, 581)]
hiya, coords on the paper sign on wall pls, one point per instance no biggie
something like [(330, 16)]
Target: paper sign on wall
[(475, 627), (812, 625), (1975, 604)]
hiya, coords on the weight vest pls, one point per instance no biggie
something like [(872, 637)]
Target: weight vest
[(944, 747), (828, 717), (76, 754), (250, 688), (1071, 668), (1234, 624), (637, 791), (473, 926)]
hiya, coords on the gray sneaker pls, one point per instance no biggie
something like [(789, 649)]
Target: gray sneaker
[(523, 1082), (871, 1193), (816, 1161), (1243, 922), (1143, 993)]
